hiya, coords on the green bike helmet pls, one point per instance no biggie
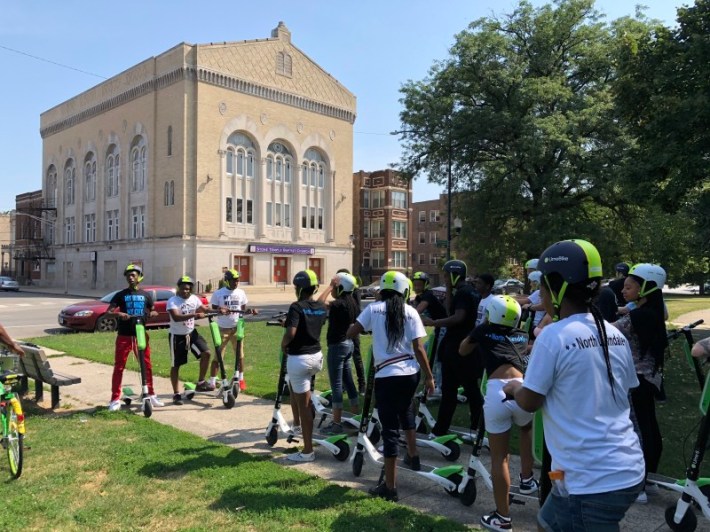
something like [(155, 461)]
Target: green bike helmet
[(134, 268), (422, 276), (456, 269), (305, 279), (577, 262), (503, 310), (396, 281), (532, 264)]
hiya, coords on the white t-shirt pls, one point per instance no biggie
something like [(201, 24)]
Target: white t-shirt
[(184, 306), (373, 319), (482, 306), (587, 429), (536, 299), (232, 299)]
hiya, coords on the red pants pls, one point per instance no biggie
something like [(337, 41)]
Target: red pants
[(124, 346)]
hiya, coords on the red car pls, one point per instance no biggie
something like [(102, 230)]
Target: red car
[(91, 315)]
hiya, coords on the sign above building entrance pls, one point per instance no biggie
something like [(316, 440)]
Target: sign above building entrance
[(281, 250)]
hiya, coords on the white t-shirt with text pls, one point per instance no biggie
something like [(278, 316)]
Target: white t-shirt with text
[(232, 299), (184, 306)]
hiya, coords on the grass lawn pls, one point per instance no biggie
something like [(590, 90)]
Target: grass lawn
[(682, 304), (120, 471)]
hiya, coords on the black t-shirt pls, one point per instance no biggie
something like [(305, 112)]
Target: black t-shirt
[(465, 298), (134, 303), (500, 345), (608, 306), (434, 309), (308, 317), (340, 316)]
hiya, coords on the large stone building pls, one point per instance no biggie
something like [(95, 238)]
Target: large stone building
[(225, 154)]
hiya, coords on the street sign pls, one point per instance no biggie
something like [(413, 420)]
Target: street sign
[(441, 243)]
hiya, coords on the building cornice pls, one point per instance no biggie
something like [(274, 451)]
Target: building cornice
[(209, 77)]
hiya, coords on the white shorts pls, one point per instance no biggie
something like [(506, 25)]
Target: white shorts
[(301, 368), (500, 415)]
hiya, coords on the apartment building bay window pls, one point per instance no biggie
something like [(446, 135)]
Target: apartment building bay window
[(313, 171), (112, 171), (399, 229), (138, 222), (240, 169), (90, 227), (69, 230), (112, 225), (377, 228), (279, 176), (399, 259), (377, 199), (377, 259), (399, 199)]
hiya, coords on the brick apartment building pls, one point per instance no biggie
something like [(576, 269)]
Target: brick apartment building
[(224, 154), (382, 211)]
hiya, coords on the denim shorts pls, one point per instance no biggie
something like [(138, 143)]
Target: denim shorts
[(597, 512)]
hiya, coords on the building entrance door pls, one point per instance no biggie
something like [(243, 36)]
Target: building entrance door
[(281, 269), (315, 265), (241, 264)]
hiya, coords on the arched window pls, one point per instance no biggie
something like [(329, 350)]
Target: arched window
[(313, 172), (112, 170), (51, 186), (139, 164), (90, 177), (169, 193), (278, 197), (69, 182), (239, 201), (170, 140)]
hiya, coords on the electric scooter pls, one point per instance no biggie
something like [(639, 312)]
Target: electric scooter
[(128, 394), (338, 444), (364, 444)]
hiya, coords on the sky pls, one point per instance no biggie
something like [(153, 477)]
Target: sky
[(53, 50)]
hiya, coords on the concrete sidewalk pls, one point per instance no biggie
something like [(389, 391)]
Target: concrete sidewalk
[(243, 428)]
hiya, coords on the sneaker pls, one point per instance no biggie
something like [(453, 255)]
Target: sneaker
[(296, 430), (435, 395), (382, 491), (302, 457), (642, 498), (204, 386), (114, 406), (413, 462), (177, 399), (242, 384), (155, 401), (528, 486), (495, 521), (651, 489), (333, 428)]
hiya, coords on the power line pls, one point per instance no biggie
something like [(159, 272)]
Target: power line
[(51, 62)]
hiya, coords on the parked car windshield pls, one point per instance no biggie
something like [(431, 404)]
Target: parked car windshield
[(108, 297)]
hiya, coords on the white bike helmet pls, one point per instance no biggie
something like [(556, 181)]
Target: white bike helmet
[(531, 264), (396, 281), (651, 277), (346, 283), (535, 277), (503, 310)]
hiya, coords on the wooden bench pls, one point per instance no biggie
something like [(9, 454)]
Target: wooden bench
[(35, 365)]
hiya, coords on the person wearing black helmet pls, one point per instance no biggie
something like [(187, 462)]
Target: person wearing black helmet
[(131, 301), (462, 302), (357, 355), (610, 297), (184, 308), (428, 305), (301, 343), (580, 373)]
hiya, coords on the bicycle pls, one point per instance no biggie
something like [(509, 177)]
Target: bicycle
[(11, 416)]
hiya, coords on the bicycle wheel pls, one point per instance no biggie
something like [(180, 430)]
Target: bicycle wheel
[(15, 443)]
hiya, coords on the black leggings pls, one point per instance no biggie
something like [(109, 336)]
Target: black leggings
[(395, 407), (643, 399)]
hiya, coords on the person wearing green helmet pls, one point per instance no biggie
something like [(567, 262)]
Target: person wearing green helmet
[(184, 308), (502, 348), (301, 344), (126, 303), (580, 373)]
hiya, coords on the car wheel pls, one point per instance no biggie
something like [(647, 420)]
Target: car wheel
[(106, 324)]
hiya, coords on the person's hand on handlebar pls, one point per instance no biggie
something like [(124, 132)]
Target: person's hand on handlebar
[(701, 348)]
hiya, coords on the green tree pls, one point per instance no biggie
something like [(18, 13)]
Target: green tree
[(522, 113)]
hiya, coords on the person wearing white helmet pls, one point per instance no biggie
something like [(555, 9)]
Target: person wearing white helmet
[(398, 351), (342, 312), (503, 350), (644, 326), (533, 302)]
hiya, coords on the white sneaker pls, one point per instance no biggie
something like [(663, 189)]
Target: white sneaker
[(296, 430), (642, 498), (155, 401), (114, 406), (302, 457)]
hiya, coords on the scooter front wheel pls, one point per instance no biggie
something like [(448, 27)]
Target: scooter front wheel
[(456, 479), (455, 449), (343, 450), (273, 436), (468, 497), (147, 408), (358, 460), (687, 524), (235, 390), (228, 401)]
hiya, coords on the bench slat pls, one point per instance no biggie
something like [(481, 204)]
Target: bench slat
[(36, 366)]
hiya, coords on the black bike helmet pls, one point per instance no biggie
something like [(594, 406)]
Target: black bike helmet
[(305, 279), (577, 262), (457, 269), (422, 276), (185, 279), (231, 275), (623, 268), (134, 268)]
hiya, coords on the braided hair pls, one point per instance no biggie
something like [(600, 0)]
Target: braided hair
[(394, 316)]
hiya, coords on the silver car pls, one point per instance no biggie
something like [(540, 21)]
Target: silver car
[(8, 283)]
